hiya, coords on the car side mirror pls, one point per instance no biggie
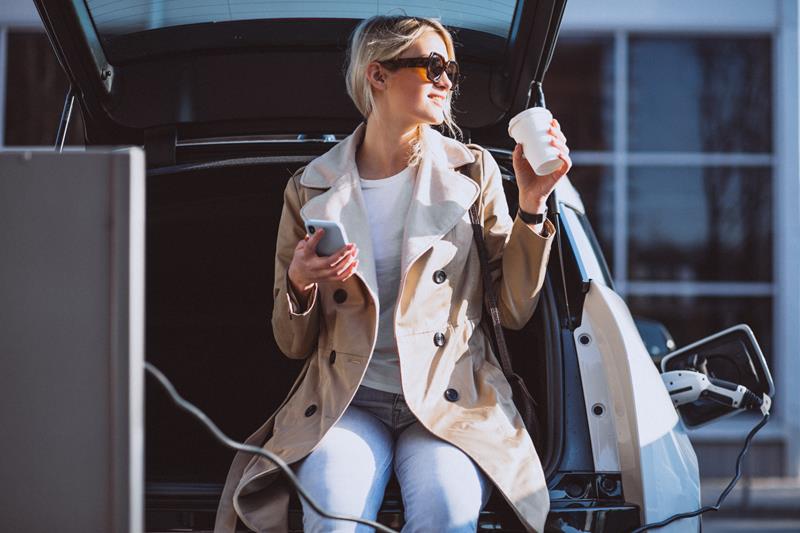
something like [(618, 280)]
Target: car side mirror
[(656, 338), (731, 357)]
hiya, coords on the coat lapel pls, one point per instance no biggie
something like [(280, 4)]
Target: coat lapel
[(343, 202), (440, 197)]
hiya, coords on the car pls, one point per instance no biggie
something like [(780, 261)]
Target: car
[(227, 105)]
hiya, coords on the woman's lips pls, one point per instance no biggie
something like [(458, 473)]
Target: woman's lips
[(439, 100)]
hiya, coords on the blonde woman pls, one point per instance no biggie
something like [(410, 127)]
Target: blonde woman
[(399, 375)]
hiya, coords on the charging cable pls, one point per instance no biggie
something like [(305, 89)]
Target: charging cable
[(224, 439), (686, 386), (763, 404)]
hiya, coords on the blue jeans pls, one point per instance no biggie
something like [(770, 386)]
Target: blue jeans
[(443, 490)]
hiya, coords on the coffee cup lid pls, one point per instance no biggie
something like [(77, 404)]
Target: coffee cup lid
[(522, 113)]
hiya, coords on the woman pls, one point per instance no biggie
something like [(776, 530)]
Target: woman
[(399, 376)]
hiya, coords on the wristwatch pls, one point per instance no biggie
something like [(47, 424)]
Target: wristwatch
[(531, 218)]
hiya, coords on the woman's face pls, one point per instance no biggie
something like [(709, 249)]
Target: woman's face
[(409, 97)]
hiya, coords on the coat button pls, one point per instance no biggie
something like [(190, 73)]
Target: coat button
[(439, 276), (451, 395), (333, 356), (339, 296), (438, 339), (311, 409)]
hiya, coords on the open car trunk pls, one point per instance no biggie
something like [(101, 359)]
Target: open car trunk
[(211, 231), (184, 85)]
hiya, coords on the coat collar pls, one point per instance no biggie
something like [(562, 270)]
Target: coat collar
[(441, 196)]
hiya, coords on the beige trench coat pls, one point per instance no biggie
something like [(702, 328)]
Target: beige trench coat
[(336, 334)]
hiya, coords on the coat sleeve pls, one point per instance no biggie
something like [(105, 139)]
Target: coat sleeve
[(518, 255), (295, 328)]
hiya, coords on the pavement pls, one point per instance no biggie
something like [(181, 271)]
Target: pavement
[(751, 525), (754, 498)]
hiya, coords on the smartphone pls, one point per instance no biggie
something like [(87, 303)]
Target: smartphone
[(333, 238)]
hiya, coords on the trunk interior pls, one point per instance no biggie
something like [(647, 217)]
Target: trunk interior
[(210, 244)]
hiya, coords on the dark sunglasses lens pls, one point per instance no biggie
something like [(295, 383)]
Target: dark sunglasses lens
[(452, 73), (435, 67)]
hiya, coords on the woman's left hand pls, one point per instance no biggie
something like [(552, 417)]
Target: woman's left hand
[(534, 189)]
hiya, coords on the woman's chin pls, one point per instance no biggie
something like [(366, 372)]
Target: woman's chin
[(436, 118)]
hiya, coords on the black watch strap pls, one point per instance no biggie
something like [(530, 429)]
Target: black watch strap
[(531, 218)]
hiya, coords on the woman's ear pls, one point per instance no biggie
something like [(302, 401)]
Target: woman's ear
[(376, 76)]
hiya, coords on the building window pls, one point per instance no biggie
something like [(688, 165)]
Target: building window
[(580, 91), (36, 87), (707, 94), (671, 136), (711, 223)]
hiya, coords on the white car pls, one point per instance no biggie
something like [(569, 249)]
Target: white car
[(208, 95)]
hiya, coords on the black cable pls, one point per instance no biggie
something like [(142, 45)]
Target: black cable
[(224, 439), (724, 492), (186, 406)]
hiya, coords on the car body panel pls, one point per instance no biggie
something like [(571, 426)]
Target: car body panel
[(658, 464)]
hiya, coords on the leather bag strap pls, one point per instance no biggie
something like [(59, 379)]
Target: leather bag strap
[(490, 298)]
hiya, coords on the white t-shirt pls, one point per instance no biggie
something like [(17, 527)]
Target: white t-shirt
[(387, 201)]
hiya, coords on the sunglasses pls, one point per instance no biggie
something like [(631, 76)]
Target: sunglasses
[(434, 65)]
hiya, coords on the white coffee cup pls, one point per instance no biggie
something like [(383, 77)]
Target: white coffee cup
[(530, 129)]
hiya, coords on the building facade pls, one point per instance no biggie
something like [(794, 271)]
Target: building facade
[(683, 122)]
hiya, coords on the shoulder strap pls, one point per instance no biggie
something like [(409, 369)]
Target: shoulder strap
[(490, 298)]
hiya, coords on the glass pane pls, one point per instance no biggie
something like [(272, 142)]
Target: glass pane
[(35, 93), (579, 90), (117, 17), (704, 94), (595, 187), (690, 318), (587, 249), (707, 223)]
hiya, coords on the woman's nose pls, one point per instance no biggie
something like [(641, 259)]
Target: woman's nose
[(444, 80)]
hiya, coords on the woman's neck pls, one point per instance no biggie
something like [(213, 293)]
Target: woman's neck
[(385, 149)]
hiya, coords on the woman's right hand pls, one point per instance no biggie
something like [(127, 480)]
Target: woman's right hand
[(307, 268)]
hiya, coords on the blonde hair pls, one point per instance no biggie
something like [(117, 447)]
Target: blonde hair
[(384, 37)]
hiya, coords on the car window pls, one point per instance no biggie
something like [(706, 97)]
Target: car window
[(590, 256), (119, 17)]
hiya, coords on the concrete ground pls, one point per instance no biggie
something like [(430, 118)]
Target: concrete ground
[(757, 505), (756, 497), (751, 525)]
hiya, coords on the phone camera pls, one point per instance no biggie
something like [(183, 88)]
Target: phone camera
[(312, 229)]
